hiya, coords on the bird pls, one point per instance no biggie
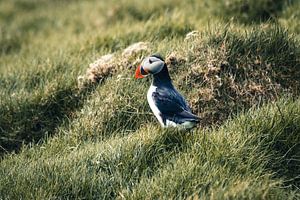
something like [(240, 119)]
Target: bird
[(167, 104)]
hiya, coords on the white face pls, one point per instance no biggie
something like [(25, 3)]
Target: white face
[(152, 65)]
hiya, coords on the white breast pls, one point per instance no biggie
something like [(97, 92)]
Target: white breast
[(153, 106)]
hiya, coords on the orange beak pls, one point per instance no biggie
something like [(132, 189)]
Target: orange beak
[(138, 73)]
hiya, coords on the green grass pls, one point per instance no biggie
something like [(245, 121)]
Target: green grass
[(240, 74), (250, 11)]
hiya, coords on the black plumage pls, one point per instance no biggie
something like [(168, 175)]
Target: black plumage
[(172, 106)]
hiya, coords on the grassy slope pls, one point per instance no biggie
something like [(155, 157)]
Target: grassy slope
[(103, 141)]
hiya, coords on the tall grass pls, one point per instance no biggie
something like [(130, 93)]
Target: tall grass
[(101, 141), (252, 156)]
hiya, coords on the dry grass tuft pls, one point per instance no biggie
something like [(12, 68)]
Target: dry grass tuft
[(191, 35), (111, 63), (135, 49), (101, 68), (175, 59)]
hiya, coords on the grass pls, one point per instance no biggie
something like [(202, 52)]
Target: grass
[(101, 141), (249, 11)]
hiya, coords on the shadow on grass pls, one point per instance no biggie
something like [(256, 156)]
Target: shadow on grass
[(279, 139), (34, 121), (10, 43), (286, 150), (250, 11)]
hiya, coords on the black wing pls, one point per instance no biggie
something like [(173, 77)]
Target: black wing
[(173, 106)]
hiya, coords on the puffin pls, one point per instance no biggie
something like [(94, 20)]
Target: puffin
[(167, 104)]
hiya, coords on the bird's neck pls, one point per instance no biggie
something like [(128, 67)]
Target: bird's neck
[(162, 78)]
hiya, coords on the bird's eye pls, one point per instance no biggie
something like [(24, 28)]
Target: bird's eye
[(150, 61)]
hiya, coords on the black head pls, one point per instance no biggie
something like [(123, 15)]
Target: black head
[(156, 66)]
